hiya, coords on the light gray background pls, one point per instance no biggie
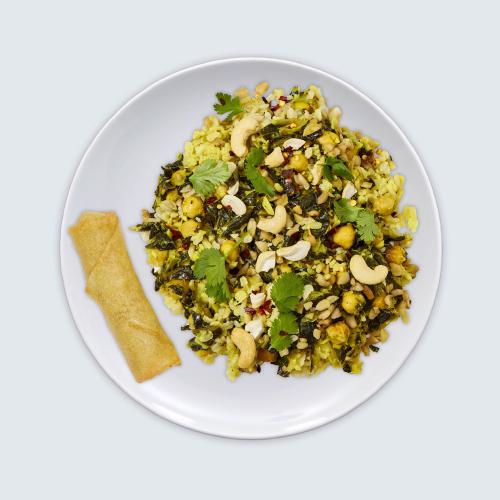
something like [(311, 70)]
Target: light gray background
[(67, 431)]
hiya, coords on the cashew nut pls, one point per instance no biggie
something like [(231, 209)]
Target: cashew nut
[(294, 143), (276, 223), (265, 261), (275, 159), (257, 299), (247, 126), (295, 252), (245, 342), (364, 274), (255, 328), (349, 191), (237, 206), (234, 188)]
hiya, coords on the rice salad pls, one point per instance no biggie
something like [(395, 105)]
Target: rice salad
[(278, 234)]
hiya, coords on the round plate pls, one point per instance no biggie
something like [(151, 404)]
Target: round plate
[(119, 172)]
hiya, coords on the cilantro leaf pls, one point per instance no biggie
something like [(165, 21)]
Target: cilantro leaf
[(208, 175), (212, 266), (364, 219), (228, 104), (366, 226), (344, 211), (281, 329), (254, 159), (287, 291), (334, 166)]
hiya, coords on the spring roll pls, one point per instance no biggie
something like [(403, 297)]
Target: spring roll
[(113, 284)]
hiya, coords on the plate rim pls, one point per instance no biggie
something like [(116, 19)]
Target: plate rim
[(308, 425)]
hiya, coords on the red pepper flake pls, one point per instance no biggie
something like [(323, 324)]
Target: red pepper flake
[(284, 98), (265, 307), (245, 253), (211, 200), (289, 149), (250, 310), (294, 237), (185, 244), (176, 234), (273, 107), (283, 334), (287, 173)]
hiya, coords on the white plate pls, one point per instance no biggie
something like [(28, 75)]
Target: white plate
[(119, 172)]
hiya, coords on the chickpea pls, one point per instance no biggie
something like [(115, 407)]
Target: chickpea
[(298, 162), (173, 196), (230, 250), (188, 228), (384, 205), (345, 236), (352, 302), (395, 254), (192, 206), (178, 178), (221, 191), (338, 333)]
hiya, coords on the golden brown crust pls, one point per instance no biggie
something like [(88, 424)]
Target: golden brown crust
[(113, 284)]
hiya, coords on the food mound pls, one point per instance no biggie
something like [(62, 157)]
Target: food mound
[(278, 234)]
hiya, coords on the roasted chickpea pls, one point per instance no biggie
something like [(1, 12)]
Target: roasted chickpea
[(188, 228), (173, 196), (192, 206), (221, 191), (396, 254), (178, 177), (345, 236), (384, 205), (352, 302), (338, 333), (230, 250), (298, 162)]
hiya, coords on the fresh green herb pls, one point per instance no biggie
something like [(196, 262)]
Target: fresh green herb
[(344, 211), (281, 329), (208, 175), (212, 266), (287, 291), (228, 104), (366, 226), (334, 166), (254, 159), (363, 218)]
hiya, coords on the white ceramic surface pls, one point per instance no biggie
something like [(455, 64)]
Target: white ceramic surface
[(119, 172)]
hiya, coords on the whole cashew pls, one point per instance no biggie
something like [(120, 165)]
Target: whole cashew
[(237, 206), (365, 274), (245, 342), (241, 132), (276, 223), (295, 252)]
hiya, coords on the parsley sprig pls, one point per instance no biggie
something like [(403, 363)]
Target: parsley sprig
[(208, 175), (212, 266), (228, 104), (254, 159), (364, 219), (286, 294)]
